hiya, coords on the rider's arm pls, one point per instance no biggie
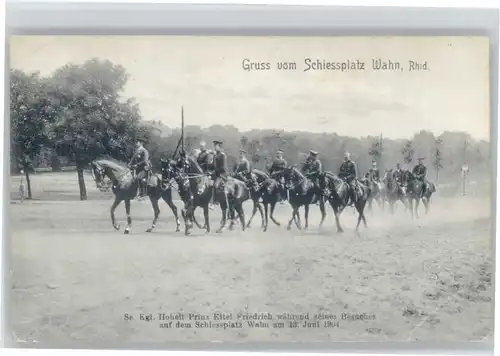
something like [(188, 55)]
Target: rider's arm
[(247, 167), (145, 158), (133, 159)]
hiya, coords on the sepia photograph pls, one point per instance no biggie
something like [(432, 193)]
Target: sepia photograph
[(197, 189)]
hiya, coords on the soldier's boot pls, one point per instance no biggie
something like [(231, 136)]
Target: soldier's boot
[(319, 193), (353, 195), (281, 198), (144, 187), (211, 204)]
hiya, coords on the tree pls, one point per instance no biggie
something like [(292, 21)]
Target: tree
[(408, 152), (376, 149), (93, 119), (31, 113), (437, 157)]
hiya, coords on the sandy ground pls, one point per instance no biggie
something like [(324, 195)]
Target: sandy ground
[(74, 278)]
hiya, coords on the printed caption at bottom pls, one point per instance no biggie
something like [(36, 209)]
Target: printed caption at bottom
[(224, 321)]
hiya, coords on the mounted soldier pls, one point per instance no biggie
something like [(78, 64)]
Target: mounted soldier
[(242, 166), (349, 173), (311, 168), (242, 169), (374, 173), (420, 172), (205, 157), (219, 174), (276, 170), (141, 166), (398, 176)]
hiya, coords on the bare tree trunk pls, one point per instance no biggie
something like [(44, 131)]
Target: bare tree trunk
[(81, 180), (28, 180), (55, 163), (437, 175)]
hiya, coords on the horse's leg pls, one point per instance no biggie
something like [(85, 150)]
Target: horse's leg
[(417, 203), (297, 219), (391, 206), (187, 214), (273, 206), (261, 211), (224, 209), (112, 212), (266, 216), (198, 225), (306, 216), (360, 207), (254, 211), (167, 197), (129, 219), (337, 211), (323, 211), (426, 202), (241, 214), (156, 210), (294, 211), (206, 216), (363, 206)]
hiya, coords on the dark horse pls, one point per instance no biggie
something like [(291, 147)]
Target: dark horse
[(255, 191), (394, 191), (266, 190), (171, 171), (230, 198), (416, 190), (337, 191), (125, 187), (296, 182)]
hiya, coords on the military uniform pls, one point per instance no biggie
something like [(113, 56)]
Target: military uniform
[(420, 172), (219, 170), (242, 167), (277, 168), (205, 160), (398, 175), (374, 174), (243, 171), (276, 172), (142, 167), (312, 168), (348, 172)]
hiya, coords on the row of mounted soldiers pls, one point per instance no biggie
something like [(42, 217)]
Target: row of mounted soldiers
[(215, 163)]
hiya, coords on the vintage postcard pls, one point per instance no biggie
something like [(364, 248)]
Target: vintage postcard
[(250, 189)]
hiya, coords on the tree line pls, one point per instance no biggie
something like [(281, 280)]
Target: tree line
[(79, 113)]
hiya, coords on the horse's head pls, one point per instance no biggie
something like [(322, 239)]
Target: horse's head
[(322, 180), (101, 178), (290, 176), (204, 183), (168, 169), (387, 175)]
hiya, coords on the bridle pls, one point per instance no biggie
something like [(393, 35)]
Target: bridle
[(104, 185)]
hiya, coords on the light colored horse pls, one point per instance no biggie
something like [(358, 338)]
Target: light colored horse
[(125, 188)]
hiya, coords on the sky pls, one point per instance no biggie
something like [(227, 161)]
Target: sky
[(206, 76)]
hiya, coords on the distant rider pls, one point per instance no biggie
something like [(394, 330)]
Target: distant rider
[(141, 165), (348, 172)]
